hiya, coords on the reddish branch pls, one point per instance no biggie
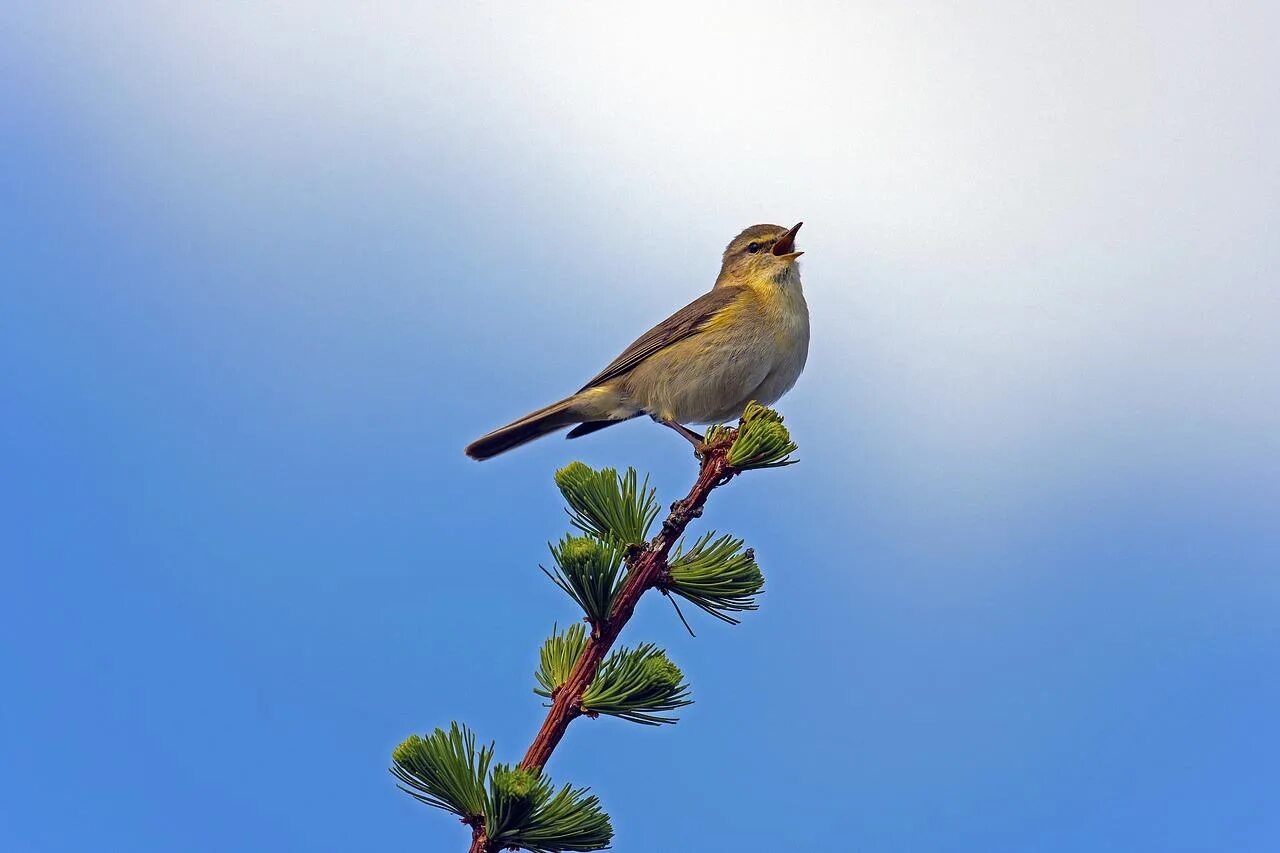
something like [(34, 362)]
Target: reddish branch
[(479, 838), (646, 568)]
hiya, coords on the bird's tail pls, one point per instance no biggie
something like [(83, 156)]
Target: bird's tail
[(531, 426)]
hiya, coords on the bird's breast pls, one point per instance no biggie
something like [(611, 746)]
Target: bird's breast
[(788, 317)]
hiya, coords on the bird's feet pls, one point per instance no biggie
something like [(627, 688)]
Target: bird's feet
[(689, 435)]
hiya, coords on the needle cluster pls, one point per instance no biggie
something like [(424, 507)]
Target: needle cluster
[(512, 806), (717, 576), (589, 571)]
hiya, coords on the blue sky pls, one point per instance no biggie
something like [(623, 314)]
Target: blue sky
[(265, 271)]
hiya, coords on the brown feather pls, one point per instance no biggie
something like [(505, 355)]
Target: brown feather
[(533, 425), (594, 426), (677, 327)]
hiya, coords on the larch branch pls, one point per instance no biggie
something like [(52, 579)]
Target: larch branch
[(645, 569)]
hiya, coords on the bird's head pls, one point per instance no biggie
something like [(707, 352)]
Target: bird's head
[(761, 254)]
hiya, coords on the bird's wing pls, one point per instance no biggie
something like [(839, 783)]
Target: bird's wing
[(677, 327)]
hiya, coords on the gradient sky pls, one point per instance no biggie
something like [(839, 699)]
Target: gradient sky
[(266, 268)]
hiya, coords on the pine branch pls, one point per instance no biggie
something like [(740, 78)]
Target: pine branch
[(646, 569), (605, 572)]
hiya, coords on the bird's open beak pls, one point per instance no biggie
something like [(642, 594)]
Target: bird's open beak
[(786, 244)]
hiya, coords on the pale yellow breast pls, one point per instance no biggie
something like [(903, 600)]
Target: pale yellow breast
[(783, 310)]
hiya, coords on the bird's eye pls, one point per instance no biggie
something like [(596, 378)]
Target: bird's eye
[(753, 248)]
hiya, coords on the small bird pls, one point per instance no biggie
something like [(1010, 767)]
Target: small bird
[(745, 339)]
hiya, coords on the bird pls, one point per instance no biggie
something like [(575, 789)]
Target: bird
[(746, 339)]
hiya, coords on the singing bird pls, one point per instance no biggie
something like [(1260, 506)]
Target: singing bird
[(745, 339)]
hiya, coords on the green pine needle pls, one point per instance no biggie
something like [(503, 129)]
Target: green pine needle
[(715, 433), (762, 442), (637, 685), (567, 820), (519, 808), (513, 795), (611, 507), (590, 572), (718, 576), (559, 653), (444, 770)]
